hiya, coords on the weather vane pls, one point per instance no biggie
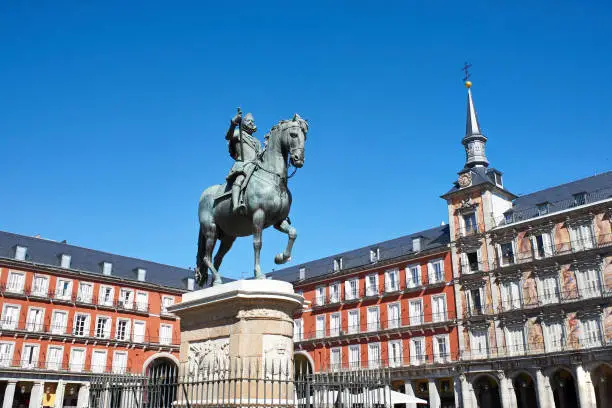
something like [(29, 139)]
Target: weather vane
[(466, 70)]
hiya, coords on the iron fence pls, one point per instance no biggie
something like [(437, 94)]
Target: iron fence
[(242, 383)]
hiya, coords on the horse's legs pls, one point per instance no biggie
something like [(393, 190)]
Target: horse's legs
[(259, 217), (226, 244), (210, 235), (285, 227)]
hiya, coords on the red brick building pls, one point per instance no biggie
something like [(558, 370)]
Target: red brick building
[(68, 313)]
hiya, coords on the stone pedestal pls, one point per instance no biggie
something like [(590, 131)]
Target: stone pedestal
[(237, 343)]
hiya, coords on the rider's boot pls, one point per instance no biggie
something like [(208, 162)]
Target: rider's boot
[(238, 207)]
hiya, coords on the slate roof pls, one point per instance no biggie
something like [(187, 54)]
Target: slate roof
[(562, 197), (480, 175), (47, 252), (438, 237)]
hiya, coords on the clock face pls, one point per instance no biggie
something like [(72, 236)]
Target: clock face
[(465, 180)]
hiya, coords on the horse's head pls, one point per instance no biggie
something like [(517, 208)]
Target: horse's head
[(294, 138)]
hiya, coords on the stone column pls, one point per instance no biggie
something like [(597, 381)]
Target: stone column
[(467, 392), (246, 323), (584, 388), (83, 396), (507, 394), (59, 394), (36, 395), (434, 395), (544, 391), (457, 391), (9, 394), (409, 390)]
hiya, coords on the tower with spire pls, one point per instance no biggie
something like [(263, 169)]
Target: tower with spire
[(474, 141)]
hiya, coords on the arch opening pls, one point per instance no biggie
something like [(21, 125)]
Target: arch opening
[(487, 394), (525, 391), (602, 382), (564, 389)]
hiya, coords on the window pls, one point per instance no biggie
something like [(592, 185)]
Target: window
[(302, 273), (510, 294), (107, 268), (10, 317), (167, 301), (353, 321), (334, 324), (55, 355), (189, 283), (394, 350), (371, 285), (413, 276), (549, 290), (6, 354), (588, 283), (298, 329), (320, 326), (103, 327), (543, 209), (417, 350), (415, 311), (98, 361), (106, 295), (373, 319), (81, 325), (354, 357), (393, 310), (15, 283), (581, 236), (469, 224), (119, 362), (506, 253), (580, 199), (141, 274), (126, 299), (40, 285), (77, 359), (320, 296), (438, 308), (509, 217), (334, 292), (34, 322), (515, 341), (392, 280), (440, 344), (497, 177), (20, 253), (436, 270), (471, 262), (63, 289), (351, 289), (138, 335), (479, 344), (165, 334), (335, 358), (474, 300), (59, 322), (85, 292), (65, 261), (337, 264), (29, 356), (142, 301), (554, 338), (123, 329), (590, 333), (542, 245), (374, 355), (374, 255)]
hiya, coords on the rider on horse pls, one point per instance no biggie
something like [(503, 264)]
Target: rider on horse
[(244, 148)]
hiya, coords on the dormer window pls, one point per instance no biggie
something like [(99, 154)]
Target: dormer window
[(302, 273), (141, 274), (580, 199), (107, 268), (374, 255), (496, 177), (416, 244), (190, 283), (65, 261), (509, 217), (543, 209), (20, 253), (337, 264)]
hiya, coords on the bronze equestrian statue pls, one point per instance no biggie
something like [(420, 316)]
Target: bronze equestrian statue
[(255, 195)]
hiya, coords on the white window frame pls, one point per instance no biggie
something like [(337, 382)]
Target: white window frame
[(439, 358), (395, 360), (298, 329), (85, 299), (86, 325), (335, 331), (373, 325), (35, 326), (352, 328), (409, 278), (590, 338), (581, 236), (334, 292), (37, 291), (6, 360), (59, 294), (474, 228), (349, 293), (135, 339), (127, 304), (53, 364), (554, 340), (320, 326), (35, 360), (166, 340), (58, 328), (164, 307), (139, 306), (432, 270), (544, 289), (389, 287), (479, 354), (71, 362), (547, 245), (17, 288), (511, 332), (416, 358), (354, 364), (338, 264), (335, 365), (119, 370), (13, 324), (500, 255), (65, 260), (439, 316), (107, 268), (128, 326), (588, 282), (374, 362), (96, 368), (415, 320), (101, 296), (107, 331), (374, 255), (394, 323), (320, 295), (21, 252), (371, 290)]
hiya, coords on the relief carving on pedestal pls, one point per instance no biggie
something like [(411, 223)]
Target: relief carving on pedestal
[(209, 357), (263, 313), (277, 356)]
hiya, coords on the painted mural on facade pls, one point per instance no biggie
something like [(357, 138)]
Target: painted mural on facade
[(562, 238), (572, 329), (535, 337), (530, 291), (569, 286), (607, 272), (603, 228)]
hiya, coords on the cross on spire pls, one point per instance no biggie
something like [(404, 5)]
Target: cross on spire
[(465, 69)]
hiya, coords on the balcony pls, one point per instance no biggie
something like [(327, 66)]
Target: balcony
[(325, 302), (400, 362), (18, 363), (478, 312), (469, 230)]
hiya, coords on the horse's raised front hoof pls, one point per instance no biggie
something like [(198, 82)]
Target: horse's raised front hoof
[(280, 259)]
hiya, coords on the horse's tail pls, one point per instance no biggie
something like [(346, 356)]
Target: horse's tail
[(201, 268)]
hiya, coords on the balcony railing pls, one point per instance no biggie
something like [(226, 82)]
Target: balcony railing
[(18, 363), (469, 230), (403, 361), (562, 297)]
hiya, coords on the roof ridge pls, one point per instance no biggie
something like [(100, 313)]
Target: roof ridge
[(609, 172)]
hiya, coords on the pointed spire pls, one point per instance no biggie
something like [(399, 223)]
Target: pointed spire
[(474, 141)]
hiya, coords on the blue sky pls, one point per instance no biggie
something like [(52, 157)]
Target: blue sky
[(113, 114)]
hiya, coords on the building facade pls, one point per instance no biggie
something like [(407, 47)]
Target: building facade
[(68, 313)]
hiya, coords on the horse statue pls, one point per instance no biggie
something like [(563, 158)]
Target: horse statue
[(267, 199)]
